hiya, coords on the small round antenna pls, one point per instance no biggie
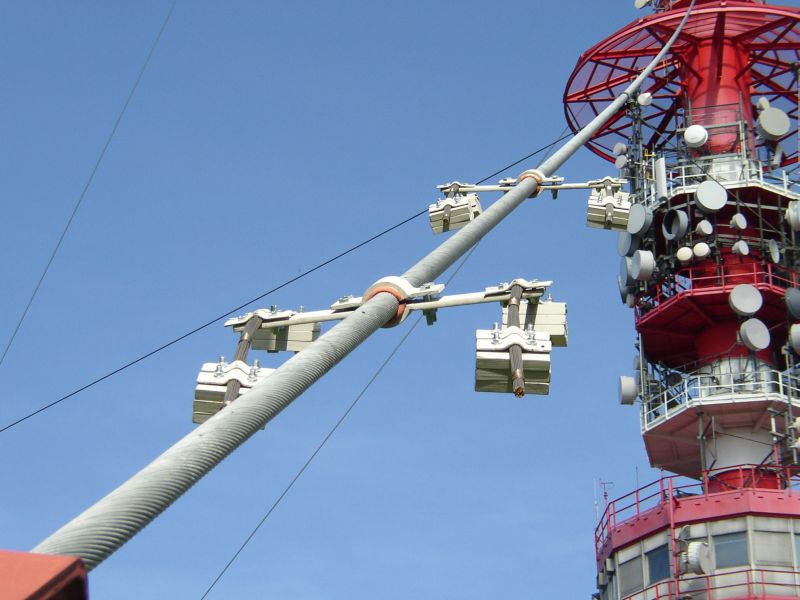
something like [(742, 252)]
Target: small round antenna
[(695, 136)]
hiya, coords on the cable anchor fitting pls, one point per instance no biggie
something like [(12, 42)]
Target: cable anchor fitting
[(404, 291)]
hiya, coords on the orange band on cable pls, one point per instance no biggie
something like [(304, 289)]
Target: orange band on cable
[(532, 175), (401, 308)]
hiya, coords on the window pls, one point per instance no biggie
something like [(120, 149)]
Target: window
[(772, 548), (631, 577), (730, 550), (797, 546), (658, 564)]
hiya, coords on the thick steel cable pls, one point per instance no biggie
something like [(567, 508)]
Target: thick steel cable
[(330, 433), (100, 530), (210, 322), (88, 182), (442, 257)]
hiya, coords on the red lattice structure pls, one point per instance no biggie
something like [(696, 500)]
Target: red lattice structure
[(729, 53)]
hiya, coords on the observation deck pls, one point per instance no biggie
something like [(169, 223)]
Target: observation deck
[(749, 518)]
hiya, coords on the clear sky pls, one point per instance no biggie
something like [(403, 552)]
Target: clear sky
[(264, 138)]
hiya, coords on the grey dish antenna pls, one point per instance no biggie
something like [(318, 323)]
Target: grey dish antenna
[(773, 124), (675, 225), (792, 299), (745, 300), (774, 251), (640, 219), (754, 335), (627, 244), (710, 196)]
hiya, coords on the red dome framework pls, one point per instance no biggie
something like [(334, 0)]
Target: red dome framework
[(764, 40)]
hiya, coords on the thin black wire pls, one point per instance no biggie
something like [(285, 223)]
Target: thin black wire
[(212, 321), (524, 158), (331, 432), (365, 388), (256, 299), (88, 181)]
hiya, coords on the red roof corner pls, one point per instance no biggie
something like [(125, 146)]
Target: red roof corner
[(26, 576)]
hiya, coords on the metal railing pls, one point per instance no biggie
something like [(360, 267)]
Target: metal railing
[(700, 280), (744, 583), (707, 387), (649, 498)]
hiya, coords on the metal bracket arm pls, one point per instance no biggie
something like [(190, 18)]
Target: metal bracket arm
[(425, 298), (547, 183)]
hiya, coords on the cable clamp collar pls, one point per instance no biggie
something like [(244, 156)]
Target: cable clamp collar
[(404, 291), (540, 178)]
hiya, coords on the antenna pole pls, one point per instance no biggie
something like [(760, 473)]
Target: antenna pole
[(100, 530)]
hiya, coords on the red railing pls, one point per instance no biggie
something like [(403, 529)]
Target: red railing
[(700, 280), (745, 583), (675, 487)]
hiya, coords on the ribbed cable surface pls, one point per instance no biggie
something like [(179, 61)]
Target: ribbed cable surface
[(442, 257), (97, 532), (100, 530), (448, 252)]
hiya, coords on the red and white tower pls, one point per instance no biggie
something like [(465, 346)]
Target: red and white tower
[(710, 263)]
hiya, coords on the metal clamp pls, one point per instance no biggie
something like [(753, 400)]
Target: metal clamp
[(401, 289)]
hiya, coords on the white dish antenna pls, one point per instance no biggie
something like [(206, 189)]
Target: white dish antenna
[(794, 338), (754, 335), (645, 99), (698, 558), (710, 196), (739, 221), (774, 251), (701, 250), (695, 136), (684, 254), (643, 265), (621, 161), (745, 300), (640, 4), (741, 248), (773, 124), (792, 215), (620, 148), (704, 228)]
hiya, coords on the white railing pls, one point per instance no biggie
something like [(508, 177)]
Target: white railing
[(711, 388)]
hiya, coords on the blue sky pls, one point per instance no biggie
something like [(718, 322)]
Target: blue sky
[(264, 138)]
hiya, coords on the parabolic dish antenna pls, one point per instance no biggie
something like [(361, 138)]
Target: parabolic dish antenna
[(754, 334), (745, 300), (710, 196)]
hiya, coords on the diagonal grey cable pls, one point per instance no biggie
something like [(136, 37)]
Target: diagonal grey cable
[(448, 252), (100, 530)]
